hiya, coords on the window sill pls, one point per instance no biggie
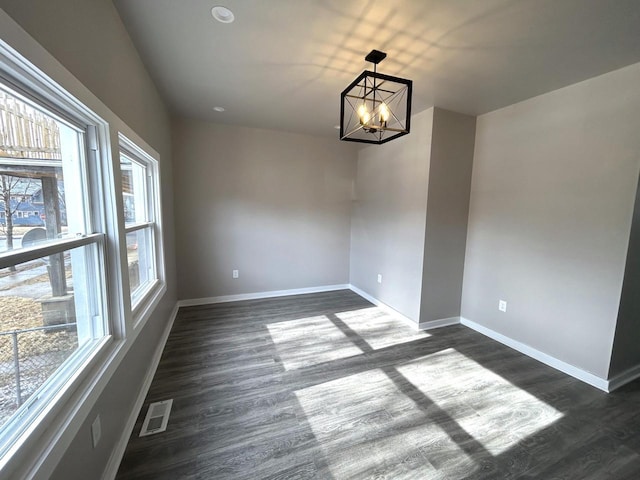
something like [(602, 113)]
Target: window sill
[(148, 300)]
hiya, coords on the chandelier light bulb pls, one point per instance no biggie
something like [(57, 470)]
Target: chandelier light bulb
[(384, 113), (363, 113)]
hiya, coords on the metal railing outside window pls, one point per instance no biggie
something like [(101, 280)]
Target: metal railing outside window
[(27, 358)]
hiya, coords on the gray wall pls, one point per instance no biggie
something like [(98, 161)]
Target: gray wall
[(410, 214), (553, 187), (89, 39), (388, 217), (626, 344), (273, 205), (447, 214)]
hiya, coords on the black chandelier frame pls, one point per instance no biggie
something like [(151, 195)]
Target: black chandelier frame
[(372, 83)]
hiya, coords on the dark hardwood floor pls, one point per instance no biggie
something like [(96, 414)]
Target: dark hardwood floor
[(328, 386)]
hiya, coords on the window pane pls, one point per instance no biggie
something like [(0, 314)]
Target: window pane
[(140, 258), (48, 309), (134, 190), (40, 183), (139, 189)]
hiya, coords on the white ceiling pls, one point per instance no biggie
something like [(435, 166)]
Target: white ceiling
[(283, 63)]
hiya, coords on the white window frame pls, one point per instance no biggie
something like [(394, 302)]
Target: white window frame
[(145, 298), (53, 408)]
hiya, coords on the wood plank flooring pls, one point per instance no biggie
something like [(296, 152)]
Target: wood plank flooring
[(327, 386)]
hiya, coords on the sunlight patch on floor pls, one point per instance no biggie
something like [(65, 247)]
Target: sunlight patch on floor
[(367, 429), (310, 341), (494, 412), (378, 328)]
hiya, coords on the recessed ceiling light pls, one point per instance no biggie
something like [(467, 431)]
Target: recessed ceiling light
[(337, 127), (218, 109), (222, 14)]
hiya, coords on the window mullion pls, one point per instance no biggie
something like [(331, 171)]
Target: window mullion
[(15, 257), (138, 226)]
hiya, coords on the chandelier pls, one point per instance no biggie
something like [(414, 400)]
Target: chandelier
[(375, 108)]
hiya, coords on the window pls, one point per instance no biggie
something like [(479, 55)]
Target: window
[(139, 173), (53, 289)]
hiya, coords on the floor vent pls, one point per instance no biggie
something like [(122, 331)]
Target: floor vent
[(157, 418)]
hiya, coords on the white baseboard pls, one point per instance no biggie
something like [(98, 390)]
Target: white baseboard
[(564, 367), (623, 378), (257, 295), (383, 306), (115, 459), (441, 322)]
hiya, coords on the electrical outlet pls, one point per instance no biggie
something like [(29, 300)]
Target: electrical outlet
[(96, 431), (379, 278), (502, 305), (235, 273)]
